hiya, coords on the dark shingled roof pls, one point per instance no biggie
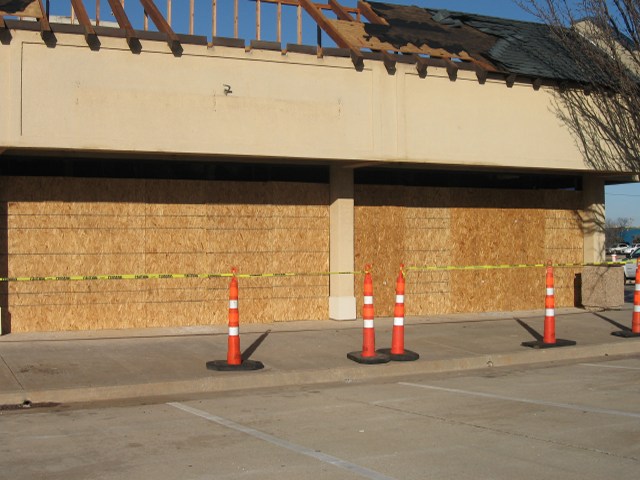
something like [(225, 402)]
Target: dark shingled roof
[(515, 47)]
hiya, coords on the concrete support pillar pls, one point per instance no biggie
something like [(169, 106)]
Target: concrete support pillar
[(342, 300), (593, 218)]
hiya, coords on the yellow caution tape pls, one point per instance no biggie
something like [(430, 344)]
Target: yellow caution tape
[(516, 265), (163, 276)]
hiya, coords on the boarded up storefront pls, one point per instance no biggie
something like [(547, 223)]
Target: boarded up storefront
[(57, 226), (467, 227)]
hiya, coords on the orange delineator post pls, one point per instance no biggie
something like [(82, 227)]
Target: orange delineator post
[(369, 333), (397, 351), (635, 318), (368, 354), (549, 339), (549, 309), (234, 355)]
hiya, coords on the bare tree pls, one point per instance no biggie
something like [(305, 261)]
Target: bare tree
[(602, 106), (614, 230)]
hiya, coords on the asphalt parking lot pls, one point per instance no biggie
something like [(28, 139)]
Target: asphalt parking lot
[(573, 421)]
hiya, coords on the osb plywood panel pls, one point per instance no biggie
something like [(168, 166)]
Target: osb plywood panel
[(414, 230), (466, 227), (66, 226)]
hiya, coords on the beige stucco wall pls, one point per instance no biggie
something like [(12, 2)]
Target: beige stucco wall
[(293, 105)]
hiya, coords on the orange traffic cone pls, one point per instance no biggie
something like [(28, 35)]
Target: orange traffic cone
[(234, 356), (397, 351), (549, 338), (368, 354), (635, 318)]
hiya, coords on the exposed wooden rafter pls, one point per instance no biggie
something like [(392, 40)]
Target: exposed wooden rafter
[(45, 28), (161, 24), (125, 24), (340, 11), (85, 21), (366, 10), (324, 23)]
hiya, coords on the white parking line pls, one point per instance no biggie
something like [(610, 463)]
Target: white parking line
[(609, 366), (323, 457), (580, 408)]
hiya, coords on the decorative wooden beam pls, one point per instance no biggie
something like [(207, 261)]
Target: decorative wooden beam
[(365, 9), (481, 73), (45, 28), (421, 66), (3, 25), (89, 32), (537, 83), (161, 24), (511, 79), (389, 62), (452, 69), (125, 24), (340, 11), (332, 31)]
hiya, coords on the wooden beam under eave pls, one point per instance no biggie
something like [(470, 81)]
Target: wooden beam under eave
[(452, 69), (45, 28), (340, 11), (481, 74), (366, 10), (89, 32), (510, 80), (125, 24), (421, 66), (162, 25), (332, 31), (2, 23)]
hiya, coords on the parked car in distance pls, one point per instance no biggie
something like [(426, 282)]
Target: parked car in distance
[(631, 248), (618, 248), (631, 266)]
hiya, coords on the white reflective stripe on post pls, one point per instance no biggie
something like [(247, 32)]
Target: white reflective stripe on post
[(368, 300), (234, 331), (549, 312), (233, 304), (368, 324), (398, 321), (399, 298), (636, 308), (549, 291), (637, 287)]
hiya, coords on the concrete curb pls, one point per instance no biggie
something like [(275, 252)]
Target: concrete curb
[(216, 383)]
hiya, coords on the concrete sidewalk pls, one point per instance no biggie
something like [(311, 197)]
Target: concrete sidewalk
[(117, 365)]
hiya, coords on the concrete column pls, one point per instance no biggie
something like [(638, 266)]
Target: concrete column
[(342, 301), (593, 218)]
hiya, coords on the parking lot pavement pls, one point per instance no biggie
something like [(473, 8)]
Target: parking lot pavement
[(575, 420)]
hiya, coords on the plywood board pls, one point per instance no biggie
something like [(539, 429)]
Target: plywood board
[(75, 226)]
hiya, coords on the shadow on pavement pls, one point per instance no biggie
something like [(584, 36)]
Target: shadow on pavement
[(534, 333), (254, 346)]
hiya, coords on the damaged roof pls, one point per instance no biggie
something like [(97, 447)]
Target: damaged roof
[(512, 46)]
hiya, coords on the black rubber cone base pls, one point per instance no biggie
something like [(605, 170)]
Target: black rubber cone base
[(407, 356), (377, 358), (540, 344), (625, 334), (223, 366)]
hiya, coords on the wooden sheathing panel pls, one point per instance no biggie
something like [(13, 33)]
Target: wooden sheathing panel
[(67, 226), (466, 227), (415, 230)]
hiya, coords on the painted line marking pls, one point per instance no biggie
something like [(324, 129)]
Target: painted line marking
[(323, 457), (569, 406), (609, 366)]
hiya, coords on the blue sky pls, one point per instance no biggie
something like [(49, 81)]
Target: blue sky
[(621, 201)]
